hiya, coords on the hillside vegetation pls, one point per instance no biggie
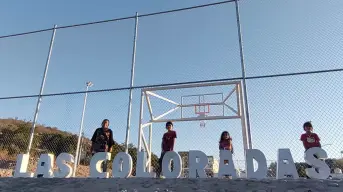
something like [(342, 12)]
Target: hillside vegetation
[(14, 138)]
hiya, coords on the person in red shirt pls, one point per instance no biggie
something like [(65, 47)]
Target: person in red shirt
[(225, 142), (168, 142), (309, 138)]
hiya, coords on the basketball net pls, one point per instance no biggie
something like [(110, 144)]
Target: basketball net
[(202, 122), (202, 112)]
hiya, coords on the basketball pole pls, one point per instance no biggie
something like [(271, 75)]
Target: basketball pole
[(245, 94), (128, 123), (39, 100)]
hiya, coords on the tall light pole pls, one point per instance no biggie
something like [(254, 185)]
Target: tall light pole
[(80, 153), (88, 85)]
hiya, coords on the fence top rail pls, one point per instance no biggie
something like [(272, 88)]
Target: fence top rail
[(120, 19), (191, 85)]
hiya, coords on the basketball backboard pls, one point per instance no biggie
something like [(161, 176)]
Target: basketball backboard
[(205, 105)]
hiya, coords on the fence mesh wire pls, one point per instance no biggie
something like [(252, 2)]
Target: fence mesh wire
[(22, 60), (286, 37), (179, 46), (14, 130), (88, 53), (176, 47)]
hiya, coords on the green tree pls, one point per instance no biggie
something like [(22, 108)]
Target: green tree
[(339, 163), (15, 141), (58, 143), (272, 169), (301, 169), (132, 150)]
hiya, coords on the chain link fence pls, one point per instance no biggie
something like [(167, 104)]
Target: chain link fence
[(293, 68)]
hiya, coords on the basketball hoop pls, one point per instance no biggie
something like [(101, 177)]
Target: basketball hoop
[(202, 111), (202, 122)]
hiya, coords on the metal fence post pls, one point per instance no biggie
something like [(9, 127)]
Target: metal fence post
[(131, 85), (32, 131), (245, 94)]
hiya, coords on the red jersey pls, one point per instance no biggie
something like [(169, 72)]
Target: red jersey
[(310, 140), (168, 141)]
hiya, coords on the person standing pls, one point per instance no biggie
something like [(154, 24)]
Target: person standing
[(168, 142), (102, 140), (310, 139), (225, 143)]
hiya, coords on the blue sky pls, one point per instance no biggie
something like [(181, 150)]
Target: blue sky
[(278, 36)]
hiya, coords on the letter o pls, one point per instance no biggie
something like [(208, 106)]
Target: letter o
[(122, 165), (176, 173)]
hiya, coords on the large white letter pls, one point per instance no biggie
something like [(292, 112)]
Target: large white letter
[(45, 166), (226, 166), (63, 169), (261, 160), (141, 168), (197, 162), (321, 166), (122, 165), (95, 166), (21, 166), (285, 165), (177, 164)]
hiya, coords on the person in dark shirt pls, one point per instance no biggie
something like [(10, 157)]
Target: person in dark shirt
[(102, 140), (168, 142)]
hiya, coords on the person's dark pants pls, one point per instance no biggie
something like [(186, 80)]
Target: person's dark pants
[(159, 170), (103, 164)]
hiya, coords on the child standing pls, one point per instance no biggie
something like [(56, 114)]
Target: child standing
[(309, 138), (225, 142), (168, 142)]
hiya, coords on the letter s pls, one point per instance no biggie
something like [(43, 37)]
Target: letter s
[(321, 166)]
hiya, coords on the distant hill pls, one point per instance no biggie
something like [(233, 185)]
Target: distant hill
[(14, 138), (13, 124)]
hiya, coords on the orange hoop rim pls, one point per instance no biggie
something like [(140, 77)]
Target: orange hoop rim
[(201, 112)]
